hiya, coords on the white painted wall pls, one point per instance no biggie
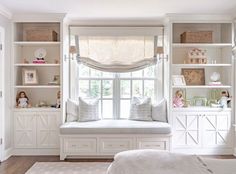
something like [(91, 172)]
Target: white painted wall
[(6, 24)]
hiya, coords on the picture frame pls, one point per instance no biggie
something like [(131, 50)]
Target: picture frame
[(199, 101), (55, 81), (178, 80), (29, 77), (194, 76)]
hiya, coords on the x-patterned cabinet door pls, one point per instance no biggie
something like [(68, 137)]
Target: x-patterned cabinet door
[(48, 129), (186, 129), (25, 129), (217, 129)]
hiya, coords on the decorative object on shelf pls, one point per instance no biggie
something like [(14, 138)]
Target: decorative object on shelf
[(40, 54), (42, 104), (22, 101), (178, 100), (197, 56), (40, 34), (225, 99), (196, 37), (57, 61), (215, 77), (29, 77), (58, 104), (194, 76), (178, 80), (58, 101), (199, 101), (25, 61), (55, 81)]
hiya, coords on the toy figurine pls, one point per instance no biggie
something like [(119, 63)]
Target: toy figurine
[(22, 101), (225, 99), (58, 104), (178, 100)]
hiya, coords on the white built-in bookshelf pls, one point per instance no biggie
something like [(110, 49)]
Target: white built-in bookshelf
[(202, 129), (36, 128), (24, 51)]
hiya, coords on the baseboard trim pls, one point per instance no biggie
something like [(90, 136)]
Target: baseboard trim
[(7, 153), (38, 152)]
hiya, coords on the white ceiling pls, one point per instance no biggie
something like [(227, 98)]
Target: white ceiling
[(119, 9)]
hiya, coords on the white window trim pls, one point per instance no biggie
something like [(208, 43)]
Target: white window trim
[(116, 89)]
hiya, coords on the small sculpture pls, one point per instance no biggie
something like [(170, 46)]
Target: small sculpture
[(22, 101), (225, 99), (215, 77), (178, 101)]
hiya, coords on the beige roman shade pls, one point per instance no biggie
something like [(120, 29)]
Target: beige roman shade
[(117, 49)]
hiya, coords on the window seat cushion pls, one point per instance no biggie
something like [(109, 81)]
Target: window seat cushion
[(115, 127)]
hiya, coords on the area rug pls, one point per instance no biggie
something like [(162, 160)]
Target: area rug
[(69, 168)]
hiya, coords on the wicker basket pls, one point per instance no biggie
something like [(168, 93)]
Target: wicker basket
[(40, 35), (196, 37)]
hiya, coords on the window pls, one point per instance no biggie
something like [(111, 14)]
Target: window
[(115, 90), (116, 49)]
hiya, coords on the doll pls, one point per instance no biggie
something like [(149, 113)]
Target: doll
[(22, 101), (58, 104), (225, 99), (178, 100)]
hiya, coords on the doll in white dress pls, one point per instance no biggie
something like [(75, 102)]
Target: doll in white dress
[(225, 99), (22, 101)]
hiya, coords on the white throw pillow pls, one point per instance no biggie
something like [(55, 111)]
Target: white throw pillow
[(88, 109), (141, 109), (72, 110), (159, 111)]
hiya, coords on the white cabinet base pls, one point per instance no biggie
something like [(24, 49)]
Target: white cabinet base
[(206, 133), (36, 132), (107, 145)]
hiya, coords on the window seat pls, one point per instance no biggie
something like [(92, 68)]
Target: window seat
[(105, 138), (115, 127)]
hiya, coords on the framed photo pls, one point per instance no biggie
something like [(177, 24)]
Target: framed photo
[(199, 101), (29, 77), (55, 81), (178, 80), (194, 76)]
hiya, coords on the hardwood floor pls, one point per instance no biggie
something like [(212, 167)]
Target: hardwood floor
[(20, 164)]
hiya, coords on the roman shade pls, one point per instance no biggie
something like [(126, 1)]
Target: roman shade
[(117, 49)]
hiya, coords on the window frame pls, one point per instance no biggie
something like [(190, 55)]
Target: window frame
[(116, 89)]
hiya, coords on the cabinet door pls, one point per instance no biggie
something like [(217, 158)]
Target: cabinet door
[(48, 129), (186, 129), (216, 131), (25, 129)]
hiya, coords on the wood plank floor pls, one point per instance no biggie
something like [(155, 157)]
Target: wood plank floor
[(20, 164)]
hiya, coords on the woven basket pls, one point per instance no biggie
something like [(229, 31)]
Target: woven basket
[(196, 37), (40, 35)]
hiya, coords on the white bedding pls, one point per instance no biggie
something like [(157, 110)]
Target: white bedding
[(156, 162)]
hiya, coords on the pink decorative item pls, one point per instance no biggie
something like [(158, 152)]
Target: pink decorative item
[(178, 101)]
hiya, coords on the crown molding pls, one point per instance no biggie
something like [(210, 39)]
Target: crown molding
[(5, 12)]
